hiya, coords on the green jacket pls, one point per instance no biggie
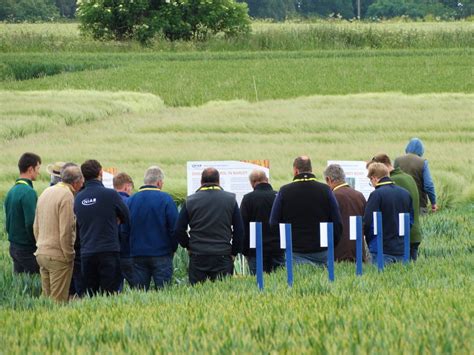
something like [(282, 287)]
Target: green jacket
[(20, 206), (408, 183)]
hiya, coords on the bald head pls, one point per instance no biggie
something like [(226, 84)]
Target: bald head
[(302, 164), (257, 177), (210, 176)]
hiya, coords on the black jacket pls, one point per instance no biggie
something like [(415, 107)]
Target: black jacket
[(214, 220), (304, 203), (98, 211), (256, 206)]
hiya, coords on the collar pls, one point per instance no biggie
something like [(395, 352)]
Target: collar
[(396, 171), (304, 177), (206, 187), (148, 188), (344, 184), (94, 182), (24, 181), (384, 181), (64, 185), (263, 186), (124, 194)]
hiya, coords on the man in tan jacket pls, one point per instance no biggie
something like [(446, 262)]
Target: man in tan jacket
[(55, 232)]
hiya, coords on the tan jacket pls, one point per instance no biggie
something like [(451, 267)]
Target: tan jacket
[(55, 224)]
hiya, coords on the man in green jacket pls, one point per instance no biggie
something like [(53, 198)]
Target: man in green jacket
[(20, 206), (408, 183)]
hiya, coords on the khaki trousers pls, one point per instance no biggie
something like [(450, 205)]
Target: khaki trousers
[(56, 274)]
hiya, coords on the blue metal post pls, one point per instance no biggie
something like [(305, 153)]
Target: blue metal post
[(259, 254), (359, 245), (380, 262), (330, 252), (289, 254)]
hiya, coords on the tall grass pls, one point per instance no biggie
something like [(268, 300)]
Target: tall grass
[(292, 36)]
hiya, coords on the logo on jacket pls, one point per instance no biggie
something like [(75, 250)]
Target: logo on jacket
[(89, 201)]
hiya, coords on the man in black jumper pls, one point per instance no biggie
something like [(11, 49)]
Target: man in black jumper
[(304, 203), (99, 211), (256, 207), (216, 229)]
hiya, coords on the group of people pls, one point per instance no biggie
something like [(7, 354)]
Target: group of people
[(84, 238)]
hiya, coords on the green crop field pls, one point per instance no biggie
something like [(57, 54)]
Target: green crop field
[(333, 91)]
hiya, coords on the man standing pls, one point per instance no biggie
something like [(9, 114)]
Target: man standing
[(408, 183), (123, 184), (153, 216), (390, 200), (216, 229), (98, 212), (351, 203), (256, 206), (55, 233), (304, 203), (20, 205), (413, 164)]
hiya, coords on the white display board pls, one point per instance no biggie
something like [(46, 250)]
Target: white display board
[(108, 179), (234, 175), (356, 175)]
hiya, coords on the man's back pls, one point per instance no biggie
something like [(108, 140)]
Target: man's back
[(413, 165), (256, 206), (351, 203), (153, 215)]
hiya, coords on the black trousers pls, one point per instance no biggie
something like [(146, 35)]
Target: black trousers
[(24, 260), (101, 272), (209, 267)]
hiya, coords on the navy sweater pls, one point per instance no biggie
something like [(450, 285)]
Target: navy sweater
[(390, 200), (98, 211), (153, 216)]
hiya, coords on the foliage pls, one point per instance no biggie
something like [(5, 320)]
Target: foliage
[(27, 10), (177, 19), (410, 8)]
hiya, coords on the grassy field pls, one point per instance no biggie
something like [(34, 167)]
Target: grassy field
[(326, 90)]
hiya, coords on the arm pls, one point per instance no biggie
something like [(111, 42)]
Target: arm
[(238, 233), (121, 209), (67, 226), (180, 230), (428, 185), (36, 228), (244, 211), (368, 218), (275, 215), (28, 203), (335, 216), (171, 215)]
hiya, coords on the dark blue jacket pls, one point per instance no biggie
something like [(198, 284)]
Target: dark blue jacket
[(390, 200), (124, 241), (153, 216), (98, 211)]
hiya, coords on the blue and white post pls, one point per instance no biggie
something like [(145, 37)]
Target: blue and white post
[(327, 241), (378, 231), (256, 242), (286, 243), (355, 233), (404, 231)]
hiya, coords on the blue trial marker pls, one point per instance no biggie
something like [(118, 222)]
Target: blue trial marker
[(330, 252), (406, 257), (359, 246), (380, 262), (259, 253), (289, 254)]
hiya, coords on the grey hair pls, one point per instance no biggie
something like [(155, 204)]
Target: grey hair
[(335, 172), (71, 174), (153, 174)]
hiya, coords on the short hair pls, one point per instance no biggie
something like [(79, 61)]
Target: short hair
[(91, 169), (121, 179), (377, 170), (303, 164), (153, 174), (379, 158), (71, 174), (27, 160), (258, 176), (335, 172), (210, 176)]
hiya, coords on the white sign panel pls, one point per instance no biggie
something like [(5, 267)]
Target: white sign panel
[(401, 224), (108, 179), (234, 175), (323, 228), (356, 175), (253, 235), (353, 228), (282, 236)]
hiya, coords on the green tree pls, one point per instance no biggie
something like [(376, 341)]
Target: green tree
[(28, 10)]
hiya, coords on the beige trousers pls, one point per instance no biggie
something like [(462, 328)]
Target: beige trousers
[(56, 274)]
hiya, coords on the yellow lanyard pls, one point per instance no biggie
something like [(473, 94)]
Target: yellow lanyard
[(384, 183), (338, 187), (210, 188), (22, 182), (149, 189), (305, 179)]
